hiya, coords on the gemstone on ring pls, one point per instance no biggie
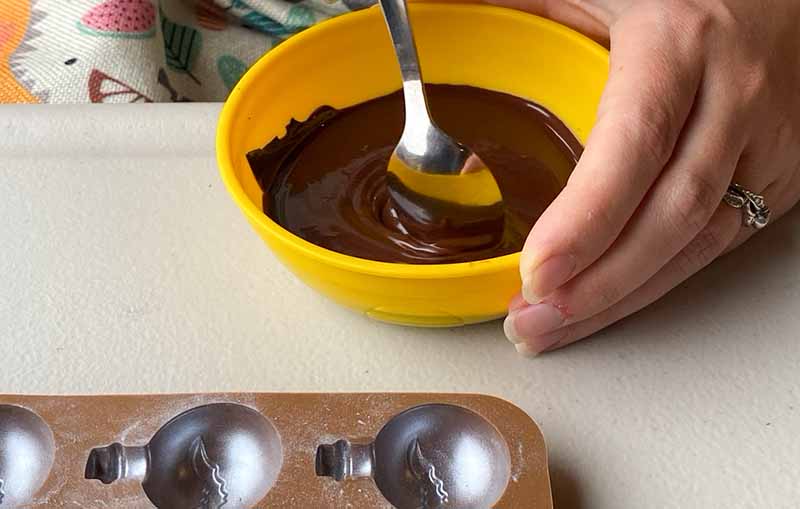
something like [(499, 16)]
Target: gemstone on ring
[(755, 212)]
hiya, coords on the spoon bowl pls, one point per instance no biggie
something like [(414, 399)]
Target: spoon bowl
[(441, 191)]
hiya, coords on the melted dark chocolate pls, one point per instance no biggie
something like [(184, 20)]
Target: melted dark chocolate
[(325, 180)]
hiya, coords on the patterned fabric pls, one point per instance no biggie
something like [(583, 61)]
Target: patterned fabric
[(128, 51)]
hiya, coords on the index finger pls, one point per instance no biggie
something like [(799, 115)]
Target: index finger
[(652, 84)]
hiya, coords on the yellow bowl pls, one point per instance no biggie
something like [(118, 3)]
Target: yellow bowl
[(348, 60)]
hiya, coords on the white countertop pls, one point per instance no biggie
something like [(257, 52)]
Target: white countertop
[(125, 267)]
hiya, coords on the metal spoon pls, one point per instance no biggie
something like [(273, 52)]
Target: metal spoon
[(435, 181)]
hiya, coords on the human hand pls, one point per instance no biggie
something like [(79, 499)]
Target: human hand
[(700, 95)]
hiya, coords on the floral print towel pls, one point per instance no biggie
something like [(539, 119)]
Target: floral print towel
[(132, 51)]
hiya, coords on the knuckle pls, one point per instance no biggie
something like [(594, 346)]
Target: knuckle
[(702, 250), (793, 189), (686, 25), (725, 15), (587, 296), (698, 24), (786, 137), (600, 220), (650, 125), (603, 294), (694, 201), (777, 148), (658, 15), (566, 337), (754, 82)]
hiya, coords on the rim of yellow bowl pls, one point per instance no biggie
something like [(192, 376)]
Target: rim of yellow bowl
[(327, 256)]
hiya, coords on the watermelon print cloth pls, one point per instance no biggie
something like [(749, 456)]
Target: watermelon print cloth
[(133, 51)]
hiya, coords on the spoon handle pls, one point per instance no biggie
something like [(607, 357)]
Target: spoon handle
[(395, 12)]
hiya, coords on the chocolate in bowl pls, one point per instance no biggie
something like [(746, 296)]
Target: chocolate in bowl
[(325, 180)]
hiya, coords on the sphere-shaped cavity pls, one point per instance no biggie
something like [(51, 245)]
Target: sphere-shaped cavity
[(445, 456), (27, 451), (213, 456)]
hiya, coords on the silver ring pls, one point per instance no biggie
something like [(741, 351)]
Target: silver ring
[(755, 212)]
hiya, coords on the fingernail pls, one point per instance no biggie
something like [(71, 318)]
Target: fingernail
[(526, 350), (532, 321), (542, 344), (510, 330), (547, 277)]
